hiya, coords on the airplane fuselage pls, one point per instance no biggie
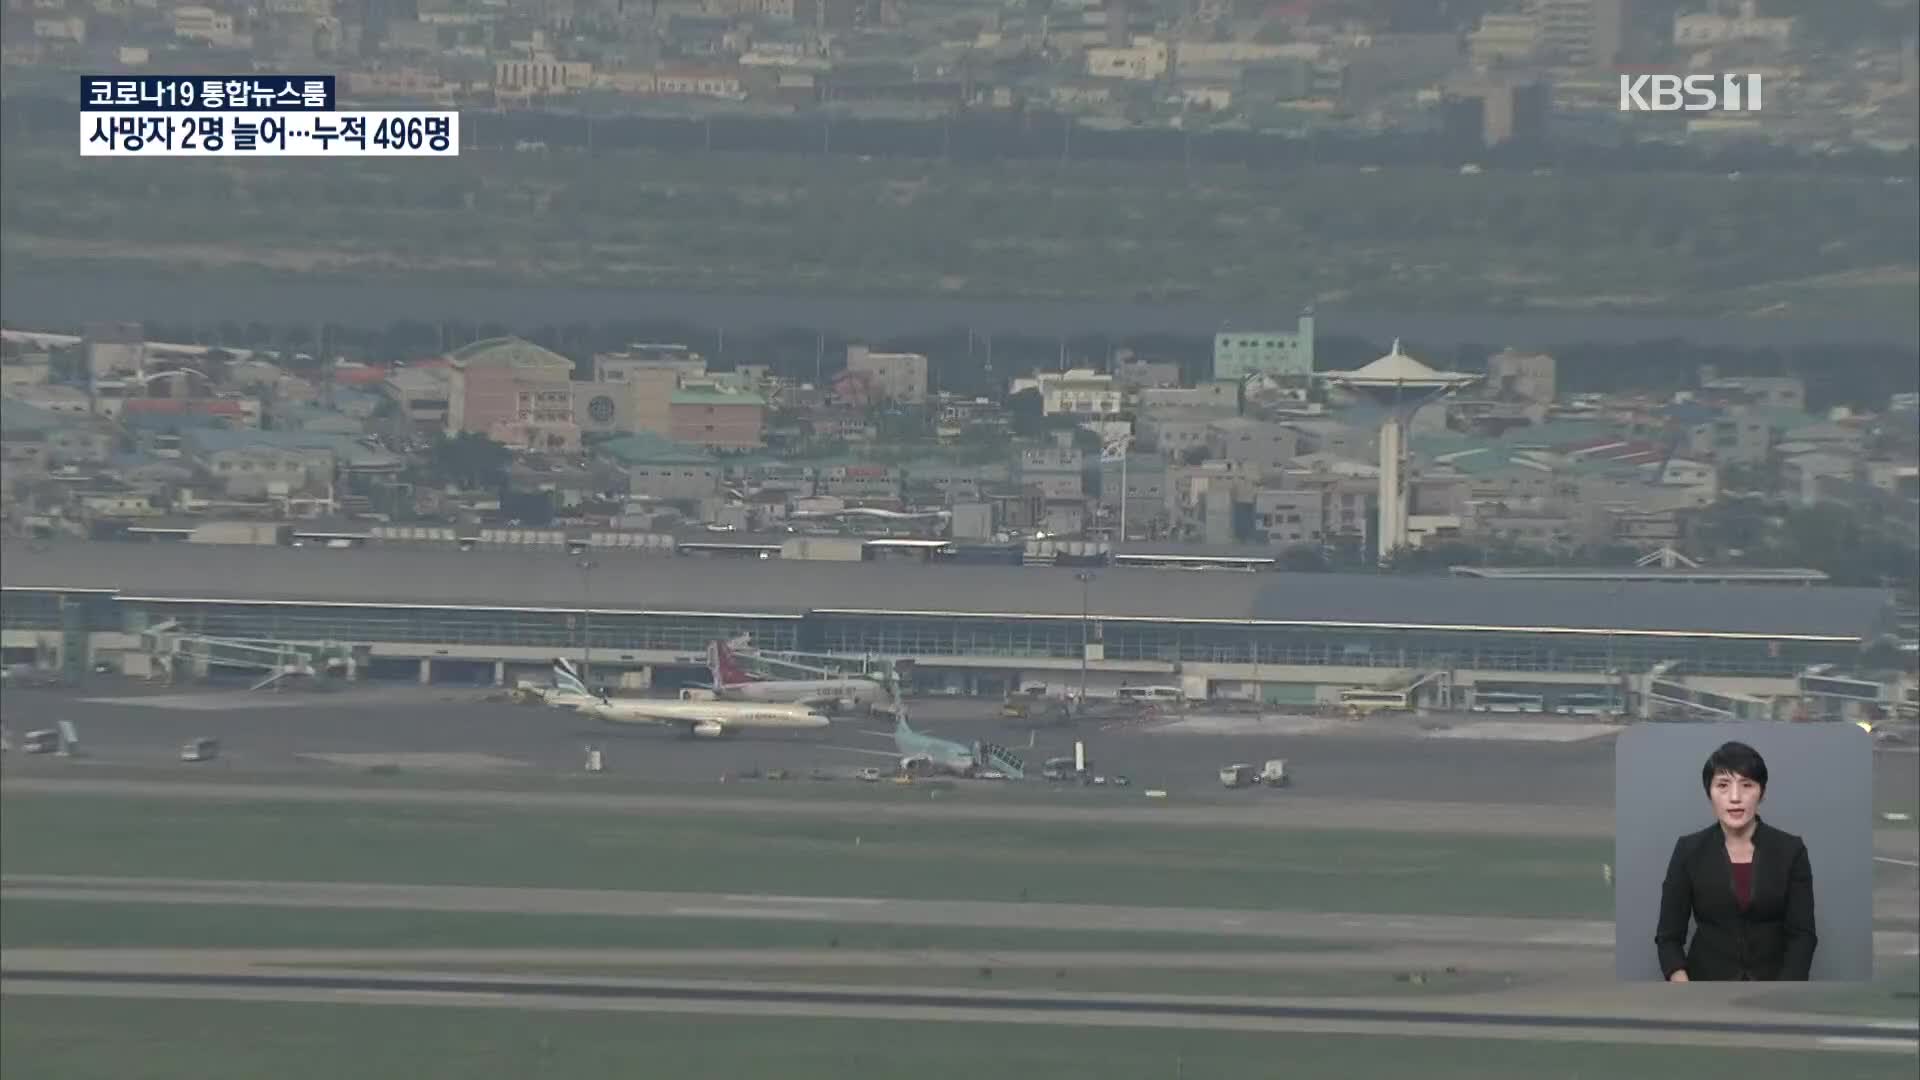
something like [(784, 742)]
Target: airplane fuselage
[(706, 718), (824, 692)]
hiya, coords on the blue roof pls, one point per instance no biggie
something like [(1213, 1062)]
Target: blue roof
[(646, 448), (300, 415), (211, 441), (344, 396), (1561, 433)]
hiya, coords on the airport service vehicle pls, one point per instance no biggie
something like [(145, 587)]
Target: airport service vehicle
[(200, 750), (43, 741), (1236, 776), (871, 776), (702, 719), (1157, 695), (1032, 707), (1274, 774), (1363, 701)]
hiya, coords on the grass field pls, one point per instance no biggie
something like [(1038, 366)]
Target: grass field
[(989, 976), (1397, 239), (1137, 864), (104, 925), (114, 1039)]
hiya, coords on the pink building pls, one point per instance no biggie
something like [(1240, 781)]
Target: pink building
[(514, 392)]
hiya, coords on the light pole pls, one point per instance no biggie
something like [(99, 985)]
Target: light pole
[(585, 567), (1085, 577), (1259, 688)]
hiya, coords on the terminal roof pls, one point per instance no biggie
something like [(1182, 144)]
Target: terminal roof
[(775, 588)]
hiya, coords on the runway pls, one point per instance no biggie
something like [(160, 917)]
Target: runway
[(454, 748)]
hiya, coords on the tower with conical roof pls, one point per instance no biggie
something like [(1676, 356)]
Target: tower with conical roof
[(1399, 385)]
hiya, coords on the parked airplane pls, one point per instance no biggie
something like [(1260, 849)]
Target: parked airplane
[(731, 682), (705, 719), (919, 752)]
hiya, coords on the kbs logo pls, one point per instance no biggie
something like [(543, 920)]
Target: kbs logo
[(1691, 93)]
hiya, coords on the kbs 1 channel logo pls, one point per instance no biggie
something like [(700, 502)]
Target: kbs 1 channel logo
[(1649, 92), (248, 116)]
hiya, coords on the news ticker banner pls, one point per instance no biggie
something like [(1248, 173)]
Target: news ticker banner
[(248, 116)]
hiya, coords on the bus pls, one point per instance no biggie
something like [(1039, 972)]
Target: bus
[(1363, 700), (1165, 695), (1502, 701)]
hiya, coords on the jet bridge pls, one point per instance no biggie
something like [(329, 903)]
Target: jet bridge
[(173, 649), (803, 665), (1668, 694)]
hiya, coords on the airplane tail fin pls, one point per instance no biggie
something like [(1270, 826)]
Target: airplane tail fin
[(726, 670), (567, 680)]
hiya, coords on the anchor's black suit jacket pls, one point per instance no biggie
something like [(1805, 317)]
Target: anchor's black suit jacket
[(1772, 940)]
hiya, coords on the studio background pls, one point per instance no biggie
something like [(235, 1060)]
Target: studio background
[(1819, 787)]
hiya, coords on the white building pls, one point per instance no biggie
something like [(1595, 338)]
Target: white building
[(541, 75), (71, 28), (896, 377), (1079, 392), (1208, 97), (1504, 39), (1143, 61), (1725, 27), (204, 24)]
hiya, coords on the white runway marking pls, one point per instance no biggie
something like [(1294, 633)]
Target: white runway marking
[(231, 702), (1246, 725), (1896, 862), (809, 915), (446, 762), (1497, 730), (1897, 1046), (744, 898)]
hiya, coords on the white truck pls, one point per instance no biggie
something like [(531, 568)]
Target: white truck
[(1236, 776), (1274, 774)]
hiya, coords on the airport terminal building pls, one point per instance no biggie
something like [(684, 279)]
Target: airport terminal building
[(483, 616)]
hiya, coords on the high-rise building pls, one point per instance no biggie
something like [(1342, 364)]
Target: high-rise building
[(1521, 376), (897, 377), (1497, 109)]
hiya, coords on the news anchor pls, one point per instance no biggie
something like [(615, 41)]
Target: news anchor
[(1746, 886)]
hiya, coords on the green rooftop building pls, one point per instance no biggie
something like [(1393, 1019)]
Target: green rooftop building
[(1240, 353)]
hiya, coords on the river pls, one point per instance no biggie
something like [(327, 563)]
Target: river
[(48, 300)]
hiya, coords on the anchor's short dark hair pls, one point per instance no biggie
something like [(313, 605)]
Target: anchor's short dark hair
[(1737, 758)]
